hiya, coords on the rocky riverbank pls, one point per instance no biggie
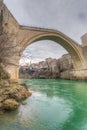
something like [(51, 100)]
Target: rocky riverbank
[(11, 93)]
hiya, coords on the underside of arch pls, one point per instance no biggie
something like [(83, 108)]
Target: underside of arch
[(73, 49)]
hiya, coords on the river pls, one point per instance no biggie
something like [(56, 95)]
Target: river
[(54, 105)]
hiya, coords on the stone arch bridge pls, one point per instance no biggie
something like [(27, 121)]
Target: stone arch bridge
[(22, 36)]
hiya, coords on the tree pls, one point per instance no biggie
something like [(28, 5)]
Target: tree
[(26, 57)]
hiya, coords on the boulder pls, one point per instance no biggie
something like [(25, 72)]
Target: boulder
[(19, 92), (10, 104), (24, 103)]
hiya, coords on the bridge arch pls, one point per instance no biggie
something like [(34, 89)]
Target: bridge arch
[(29, 35), (71, 46)]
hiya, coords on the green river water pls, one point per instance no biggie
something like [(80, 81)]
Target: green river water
[(54, 105)]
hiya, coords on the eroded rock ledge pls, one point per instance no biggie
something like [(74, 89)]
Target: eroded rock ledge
[(11, 93)]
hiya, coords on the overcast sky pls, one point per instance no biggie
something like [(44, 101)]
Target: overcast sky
[(67, 16)]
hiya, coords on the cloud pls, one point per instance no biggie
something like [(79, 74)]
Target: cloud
[(68, 16), (82, 17)]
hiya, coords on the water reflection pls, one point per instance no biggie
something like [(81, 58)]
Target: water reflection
[(73, 93), (7, 120)]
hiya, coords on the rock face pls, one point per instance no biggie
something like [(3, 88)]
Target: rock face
[(19, 92), (3, 73), (10, 104), (11, 93), (50, 68), (53, 66), (11, 96), (65, 63)]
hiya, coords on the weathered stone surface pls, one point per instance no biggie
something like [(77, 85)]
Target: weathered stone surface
[(65, 63), (10, 104), (3, 73), (19, 92), (11, 93), (15, 93), (4, 83), (24, 103), (54, 67), (67, 75)]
